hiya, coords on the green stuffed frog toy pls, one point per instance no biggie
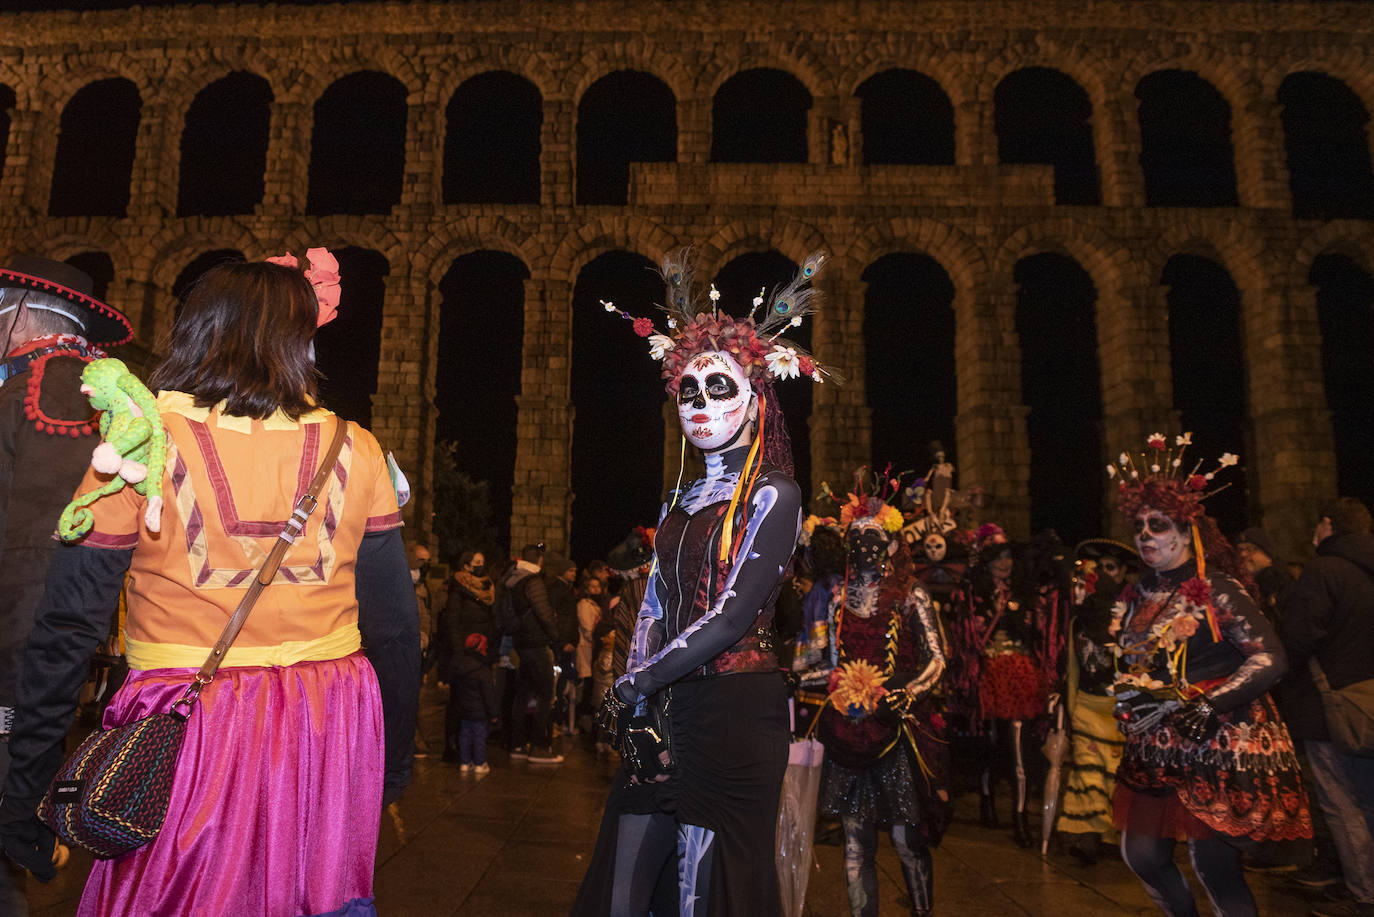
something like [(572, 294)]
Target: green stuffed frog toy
[(133, 443)]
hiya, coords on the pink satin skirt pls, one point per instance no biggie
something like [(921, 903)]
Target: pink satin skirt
[(277, 798)]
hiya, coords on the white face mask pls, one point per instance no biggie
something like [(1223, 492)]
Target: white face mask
[(934, 547), (713, 400), (1162, 545), (414, 575)]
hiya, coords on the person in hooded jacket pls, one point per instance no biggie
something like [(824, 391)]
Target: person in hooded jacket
[(467, 613), (474, 696), (1329, 619)]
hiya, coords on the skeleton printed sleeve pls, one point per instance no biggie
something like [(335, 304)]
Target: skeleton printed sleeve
[(921, 622), (648, 633), (769, 540), (1250, 632)]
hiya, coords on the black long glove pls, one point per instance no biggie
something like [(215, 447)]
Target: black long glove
[(27, 841), (1197, 720)]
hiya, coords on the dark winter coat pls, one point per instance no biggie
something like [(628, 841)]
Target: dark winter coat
[(39, 473), (538, 622), (1329, 614), (464, 614), (473, 683), (563, 598)]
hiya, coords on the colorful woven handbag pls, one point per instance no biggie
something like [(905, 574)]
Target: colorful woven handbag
[(111, 795)]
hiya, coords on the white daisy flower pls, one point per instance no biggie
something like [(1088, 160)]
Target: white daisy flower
[(782, 363), (714, 294), (659, 344), (1185, 439), (610, 306), (1228, 459)]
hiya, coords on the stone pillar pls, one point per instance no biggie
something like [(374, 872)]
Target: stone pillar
[(422, 178), (287, 176), (156, 167), (42, 128), (1137, 383), (1292, 468), (542, 494), (841, 422), (693, 130), (402, 407), (1116, 139), (557, 157), (994, 453), (975, 142), (18, 159), (1261, 162)]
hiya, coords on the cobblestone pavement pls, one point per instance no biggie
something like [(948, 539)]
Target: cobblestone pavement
[(516, 842)]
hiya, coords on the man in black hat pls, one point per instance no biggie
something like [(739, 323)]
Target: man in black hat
[(50, 325)]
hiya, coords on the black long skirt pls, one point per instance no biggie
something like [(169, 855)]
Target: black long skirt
[(731, 743)]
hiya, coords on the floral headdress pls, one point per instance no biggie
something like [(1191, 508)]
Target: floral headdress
[(872, 500), (323, 275), (1178, 494), (696, 325), (1158, 480)]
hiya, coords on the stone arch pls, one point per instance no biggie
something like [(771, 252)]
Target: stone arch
[(1189, 132), (350, 149), (1235, 247), (1326, 142), (20, 84), (906, 117), (638, 53), (455, 239), (1343, 63), (787, 235), (759, 115), (1107, 261), (356, 232), (493, 125), (390, 60), (625, 117), (949, 70), (1044, 115), (1077, 62), (1223, 70), (69, 75), (214, 177), (468, 61), (961, 257), (95, 151), (1352, 238), (807, 66), (625, 232), (96, 238), (184, 82)]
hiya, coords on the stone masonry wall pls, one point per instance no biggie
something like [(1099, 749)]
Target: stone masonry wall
[(977, 218)]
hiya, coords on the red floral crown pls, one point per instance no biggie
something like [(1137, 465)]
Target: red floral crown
[(1159, 480), (696, 325)]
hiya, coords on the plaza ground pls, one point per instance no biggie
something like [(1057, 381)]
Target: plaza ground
[(516, 842)]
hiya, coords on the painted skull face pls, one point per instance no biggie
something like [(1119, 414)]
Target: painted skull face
[(934, 547), (1162, 545), (713, 398), (867, 544)]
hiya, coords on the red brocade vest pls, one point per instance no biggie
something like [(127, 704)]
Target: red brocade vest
[(688, 551)]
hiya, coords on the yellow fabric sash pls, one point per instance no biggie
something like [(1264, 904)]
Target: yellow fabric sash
[(143, 655)]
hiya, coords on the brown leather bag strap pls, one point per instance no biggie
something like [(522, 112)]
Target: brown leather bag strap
[(289, 533)]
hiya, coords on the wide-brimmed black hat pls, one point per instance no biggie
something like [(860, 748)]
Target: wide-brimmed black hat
[(1096, 548), (105, 325)]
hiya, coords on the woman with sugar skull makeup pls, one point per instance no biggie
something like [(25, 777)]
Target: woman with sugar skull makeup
[(886, 763), (1207, 758), (699, 836)]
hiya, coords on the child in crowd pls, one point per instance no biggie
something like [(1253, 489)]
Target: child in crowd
[(476, 704)]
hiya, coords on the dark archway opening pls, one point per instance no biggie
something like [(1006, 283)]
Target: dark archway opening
[(1043, 116), (1056, 325), (909, 377), (347, 350), (1208, 368), (617, 395), (358, 145), (95, 151), (224, 147), (7, 104), (477, 376), (492, 142), (195, 270), (1185, 141), (1345, 308), (906, 119), (760, 116), (1325, 133), (739, 282), (624, 117), (99, 266)]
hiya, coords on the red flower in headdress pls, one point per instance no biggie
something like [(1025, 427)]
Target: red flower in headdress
[(1197, 482), (643, 327)]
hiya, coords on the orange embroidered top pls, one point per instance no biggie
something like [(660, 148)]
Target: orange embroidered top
[(229, 485)]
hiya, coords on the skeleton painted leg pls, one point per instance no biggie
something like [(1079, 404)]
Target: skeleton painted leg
[(860, 866), (1019, 825), (693, 868), (917, 868)]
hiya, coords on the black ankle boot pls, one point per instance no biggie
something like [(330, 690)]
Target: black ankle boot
[(987, 811), (1020, 829)]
